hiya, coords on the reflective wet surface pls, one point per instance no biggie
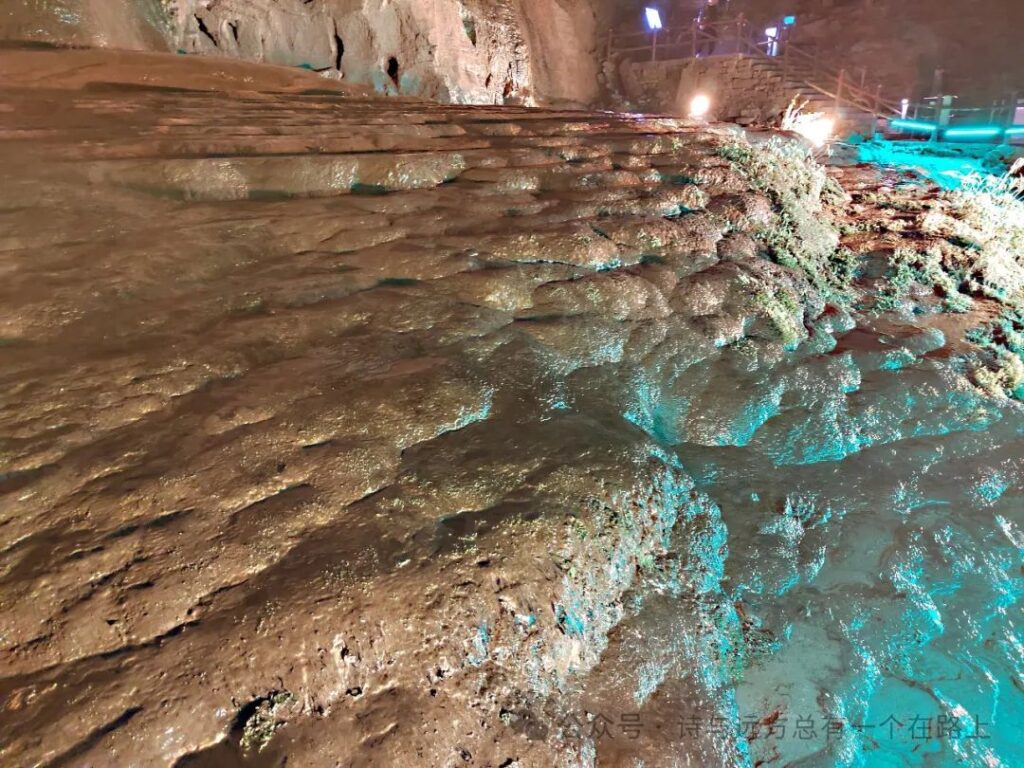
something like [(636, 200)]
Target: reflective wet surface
[(352, 431)]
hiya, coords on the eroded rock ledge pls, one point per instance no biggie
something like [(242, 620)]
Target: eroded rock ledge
[(377, 432)]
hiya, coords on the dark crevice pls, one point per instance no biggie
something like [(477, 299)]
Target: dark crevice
[(233, 26), (280, 501), (393, 69), (245, 714), (157, 522), (339, 50), (153, 643), (203, 28), (94, 738), (469, 26)]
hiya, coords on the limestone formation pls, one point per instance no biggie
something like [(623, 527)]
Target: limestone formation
[(341, 430), (465, 51)]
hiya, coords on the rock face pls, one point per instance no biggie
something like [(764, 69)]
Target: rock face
[(370, 432), (465, 51), (475, 51)]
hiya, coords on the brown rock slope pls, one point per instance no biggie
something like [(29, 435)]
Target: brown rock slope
[(339, 430), (304, 409)]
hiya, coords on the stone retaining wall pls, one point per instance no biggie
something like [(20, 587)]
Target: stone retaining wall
[(739, 91)]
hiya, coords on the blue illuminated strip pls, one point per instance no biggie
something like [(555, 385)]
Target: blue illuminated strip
[(913, 125), (965, 132), (976, 133)]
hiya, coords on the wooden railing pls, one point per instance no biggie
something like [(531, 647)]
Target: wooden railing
[(800, 63)]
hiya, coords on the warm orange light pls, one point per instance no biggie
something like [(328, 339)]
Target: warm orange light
[(700, 105), (817, 130)]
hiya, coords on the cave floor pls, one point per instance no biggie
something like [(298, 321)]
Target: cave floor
[(368, 432)]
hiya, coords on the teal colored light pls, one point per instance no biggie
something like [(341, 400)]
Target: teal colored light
[(980, 132), (789, 21), (913, 125), (1017, 130)]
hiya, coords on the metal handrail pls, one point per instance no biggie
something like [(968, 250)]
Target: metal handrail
[(1001, 111), (829, 81)]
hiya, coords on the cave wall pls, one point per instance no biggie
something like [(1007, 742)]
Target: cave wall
[(465, 51)]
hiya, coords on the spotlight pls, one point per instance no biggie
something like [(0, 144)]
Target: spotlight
[(653, 19), (700, 105), (818, 130)]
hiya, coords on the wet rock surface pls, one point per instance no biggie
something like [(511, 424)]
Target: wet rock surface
[(355, 432), (476, 51), (463, 51)]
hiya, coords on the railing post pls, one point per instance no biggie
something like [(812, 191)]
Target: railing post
[(878, 100), (839, 88), (785, 62), (654, 45), (945, 117)]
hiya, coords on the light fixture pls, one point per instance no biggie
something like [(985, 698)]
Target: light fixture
[(653, 17), (789, 21), (913, 125), (700, 105), (980, 132), (904, 108), (817, 130)]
